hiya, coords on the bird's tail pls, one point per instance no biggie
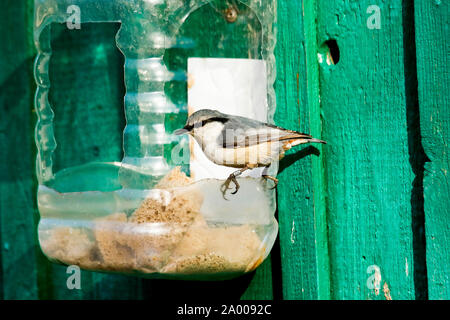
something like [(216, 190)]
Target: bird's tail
[(301, 138), (317, 140)]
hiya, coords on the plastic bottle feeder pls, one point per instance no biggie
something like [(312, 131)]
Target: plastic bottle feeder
[(160, 212)]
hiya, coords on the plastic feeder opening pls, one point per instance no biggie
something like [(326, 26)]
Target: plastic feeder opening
[(160, 212)]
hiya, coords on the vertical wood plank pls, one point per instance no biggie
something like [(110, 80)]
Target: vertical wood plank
[(369, 178), (433, 47), (18, 267), (301, 205)]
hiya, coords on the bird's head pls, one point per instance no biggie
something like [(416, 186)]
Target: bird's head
[(199, 119)]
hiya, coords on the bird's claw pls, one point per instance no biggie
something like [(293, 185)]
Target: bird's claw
[(226, 185), (275, 180), (224, 188)]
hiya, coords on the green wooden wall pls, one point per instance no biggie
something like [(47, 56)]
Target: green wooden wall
[(364, 217)]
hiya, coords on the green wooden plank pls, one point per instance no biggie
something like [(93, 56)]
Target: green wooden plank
[(319, 179), (369, 178), (17, 226), (433, 47), (301, 205)]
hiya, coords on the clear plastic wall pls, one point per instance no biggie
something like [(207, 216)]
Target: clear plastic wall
[(146, 214)]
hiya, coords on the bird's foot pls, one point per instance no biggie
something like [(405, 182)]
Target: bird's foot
[(275, 180), (226, 185)]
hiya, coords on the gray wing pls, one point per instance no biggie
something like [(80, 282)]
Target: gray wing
[(243, 132)]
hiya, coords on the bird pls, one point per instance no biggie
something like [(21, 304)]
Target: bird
[(241, 142)]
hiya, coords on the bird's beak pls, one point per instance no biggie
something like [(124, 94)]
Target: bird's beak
[(181, 131)]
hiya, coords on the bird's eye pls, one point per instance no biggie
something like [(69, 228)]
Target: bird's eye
[(199, 124)]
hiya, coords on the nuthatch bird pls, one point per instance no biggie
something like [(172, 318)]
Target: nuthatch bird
[(241, 142)]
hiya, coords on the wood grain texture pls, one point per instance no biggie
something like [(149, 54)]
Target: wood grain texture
[(433, 48), (301, 210), (369, 178)]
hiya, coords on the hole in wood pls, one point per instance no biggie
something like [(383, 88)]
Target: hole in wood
[(329, 52)]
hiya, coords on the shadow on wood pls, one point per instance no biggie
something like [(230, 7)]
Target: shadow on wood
[(294, 157), (205, 290)]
